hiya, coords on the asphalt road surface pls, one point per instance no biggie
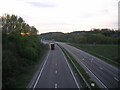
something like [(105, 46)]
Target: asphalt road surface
[(56, 72), (104, 74)]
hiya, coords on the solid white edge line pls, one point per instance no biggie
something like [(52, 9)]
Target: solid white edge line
[(41, 71), (91, 72), (71, 70)]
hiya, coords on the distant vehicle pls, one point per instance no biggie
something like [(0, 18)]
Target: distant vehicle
[(52, 46)]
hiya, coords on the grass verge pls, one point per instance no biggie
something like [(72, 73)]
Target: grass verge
[(95, 50), (84, 77)]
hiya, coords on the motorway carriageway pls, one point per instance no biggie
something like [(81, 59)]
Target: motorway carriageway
[(56, 72)]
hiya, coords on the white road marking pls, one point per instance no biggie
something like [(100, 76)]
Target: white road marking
[(91, 72), (56, 72), (55, 85), (91, 60), (71, 70), (40, 72), (56, 64), (116, 79), (100, 67)]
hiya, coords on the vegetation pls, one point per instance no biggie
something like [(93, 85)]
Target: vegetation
[(58, 36), (95, 36), (16, 24), (20, 53), (109, 53), (99, 42)]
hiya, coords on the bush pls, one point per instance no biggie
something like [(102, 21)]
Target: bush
[(19, 53)]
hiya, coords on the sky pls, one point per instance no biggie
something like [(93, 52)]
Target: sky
[(64, 15)]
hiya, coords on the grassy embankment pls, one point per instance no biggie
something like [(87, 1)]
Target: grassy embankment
[(20, 58), (108, 53), (85, 83)]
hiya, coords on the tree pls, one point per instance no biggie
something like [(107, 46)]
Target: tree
[(12, 23), (33, 31), (5, 22), (20, 22)]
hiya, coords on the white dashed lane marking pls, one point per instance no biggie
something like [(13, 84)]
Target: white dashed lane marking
[(116, 79), (100, 67), (56, 72), (92, 60), (55, 85)]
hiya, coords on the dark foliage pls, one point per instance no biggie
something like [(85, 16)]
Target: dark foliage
[(19, 52)]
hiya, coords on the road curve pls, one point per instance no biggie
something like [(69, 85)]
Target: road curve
[(104, 74), (56, 72)]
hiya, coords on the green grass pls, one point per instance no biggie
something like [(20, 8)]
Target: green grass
[(108, 53), (81, 70), (25, 78)]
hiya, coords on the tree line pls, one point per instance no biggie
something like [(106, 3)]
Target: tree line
[(94, 36), (20, 53), (13, 23)]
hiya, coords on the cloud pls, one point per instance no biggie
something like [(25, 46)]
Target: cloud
[(86, 15), (39, 4), (64, 15)]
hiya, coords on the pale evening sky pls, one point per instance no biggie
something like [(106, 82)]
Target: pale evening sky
[(64, 15)]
